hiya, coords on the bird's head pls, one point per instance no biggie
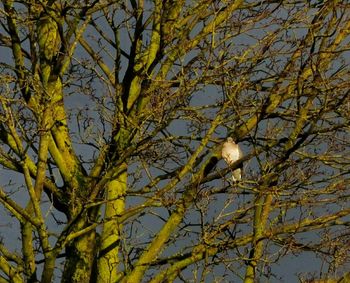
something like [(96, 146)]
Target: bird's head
[(229, 139)]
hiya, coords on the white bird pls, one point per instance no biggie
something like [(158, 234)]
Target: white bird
[(231, 152)]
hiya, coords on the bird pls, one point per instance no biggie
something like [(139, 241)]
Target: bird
[(231, 152)]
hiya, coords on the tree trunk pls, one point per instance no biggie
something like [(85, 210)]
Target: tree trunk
[(110, 239), (80, 258)]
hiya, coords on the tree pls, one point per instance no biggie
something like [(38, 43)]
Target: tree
[(113, 114)]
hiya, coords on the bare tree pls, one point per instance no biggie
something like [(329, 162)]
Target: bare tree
[(113, 114)]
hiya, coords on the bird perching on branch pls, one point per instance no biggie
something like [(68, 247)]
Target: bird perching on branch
[(231, 152)]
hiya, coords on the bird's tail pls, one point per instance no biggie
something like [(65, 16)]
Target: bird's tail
[(237, 175)]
